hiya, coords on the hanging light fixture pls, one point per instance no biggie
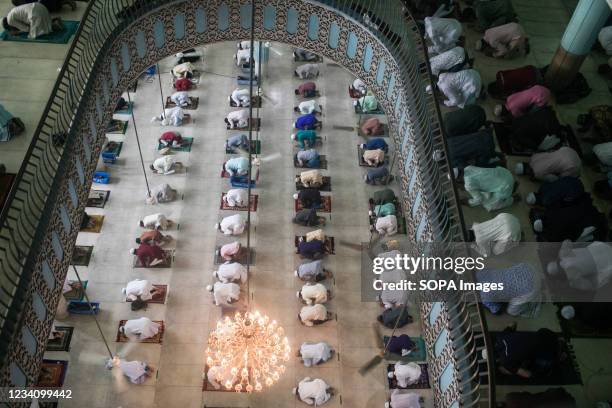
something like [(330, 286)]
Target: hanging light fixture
[(250, 350)]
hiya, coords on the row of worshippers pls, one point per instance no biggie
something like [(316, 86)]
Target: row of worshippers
[(33, 17)]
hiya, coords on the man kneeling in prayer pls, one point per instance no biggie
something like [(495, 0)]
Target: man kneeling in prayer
[(504, 41), (156, 221), (497, 235), (237, 197), (376, 143), (368, 103), (520, 103), (372, 127), (232, 251), (136, 371), (232, 225), (162, 194), (139, 289), (149, 254), (231, 272), (224, 293), (585, 268), (449, 61), (313, 293), (308, 158), (386, 225), (242, 55), (305, 138), (378, 175), (170, 117), (313, 315), (309, 198), (314, 249), (403, 399), (460, 88), (237, 166), (308, 218), (32, 18), (140, 329), (307, 71), (310, 178), (172, 139), (312, 271), (549, 166), (405, 373), (492, 188), (303, 55), (181, 98), (165, 165), (313, 391), (237, 119), (308, 107), (241, 97), (443, 33), (374, 157), (307, 90), (402, 345), (313, 354), (240, 141), (307, 122)]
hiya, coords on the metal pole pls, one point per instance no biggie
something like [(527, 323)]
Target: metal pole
[(161, 92), (110, 353), (144, 171), (251, 65)]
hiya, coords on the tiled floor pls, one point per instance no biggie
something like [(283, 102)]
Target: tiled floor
[(189, 313)]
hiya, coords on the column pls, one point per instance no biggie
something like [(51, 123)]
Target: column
[(578, 39)]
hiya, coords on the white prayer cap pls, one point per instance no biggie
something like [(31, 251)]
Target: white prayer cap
[(355, 103), (552, 268), (519, 169), (293, 136), (124, 291), (294, 390), (296, 273), (180, 55), (209, 288), (370, 213), (295, 196), (297, 294), (538, 226), (363, 145), (165, 122), (387, 404), (217, 226), (478, 45), (456, 172), (133, 251), (531, 198), (256, 161), (484, 354), (497, 110), (568, 312), (391, 374)]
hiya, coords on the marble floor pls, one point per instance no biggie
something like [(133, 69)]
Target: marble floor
[(189, 314)]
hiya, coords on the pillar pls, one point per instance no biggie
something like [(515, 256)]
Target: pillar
[(578, 39)]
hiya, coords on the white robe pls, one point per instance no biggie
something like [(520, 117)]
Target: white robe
[(141, 329), (139, 287), (391, 298), (232, 272), (407, 374), (446, 60), (460, 88), (164, 164), (173, 116), (242, 56), (308, 107), (241, 97), (603, 151), (316, 353), (402, 399), (308, 314), (307, 71), (32, 18), (587, 268), (605, 39), (442, 32), (497, 235), (181, 98), (233, 225), (313, 391), (241, 116), (134, 370), (314, 294), (237, 197), (155, 220), (225, 293), (387, 225)]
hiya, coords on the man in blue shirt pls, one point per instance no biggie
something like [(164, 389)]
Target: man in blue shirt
[(307, 122), (376, 143)]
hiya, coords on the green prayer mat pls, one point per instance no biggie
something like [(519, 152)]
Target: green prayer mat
[(125, 111), (56, 37), (418, 354), (184, 148)]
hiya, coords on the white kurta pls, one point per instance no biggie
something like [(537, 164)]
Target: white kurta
[(587, 268), (138, 287), (173, 116), (387, 225), (460, 88), (314, 294), (180, 98), (233, 225), (308, 107), (240, 116), (311, 177), (232, 272), (447, 60), (309, 314), (407, 374), (164, 164), (313, 391), (307, 71), (237, 197), (242, 56), (316, 353), (155, 221), (141, 329), (181, 69), (442, 32), (32, 18), (402, 399), (225, 293), (241, 97), (134, 370), (497, 235)]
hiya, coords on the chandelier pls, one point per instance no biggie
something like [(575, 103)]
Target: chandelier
[(249, 349)]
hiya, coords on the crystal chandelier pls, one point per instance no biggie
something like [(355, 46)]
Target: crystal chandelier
[(249, 349)]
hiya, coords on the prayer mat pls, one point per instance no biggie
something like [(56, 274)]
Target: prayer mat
[(363, 163), (359, 111), (326, 186), (98, 198), (6, 183), (56, 37), (77, 292), (566, 372), (575, 328), (255, 148), (326, 206), (125, 111), (330, 244), (159, 297), (384, 134), (422, 382), (419, 353), (254, 124), (52, 373), (82, 255), (195, 102), (322, 164), (166, 264), (186, 147), (225, 206), (61, 343), (241, 259), (157, 339), (113, 148), (117, 127), (95, 224), (316, 95), (255, 102)]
